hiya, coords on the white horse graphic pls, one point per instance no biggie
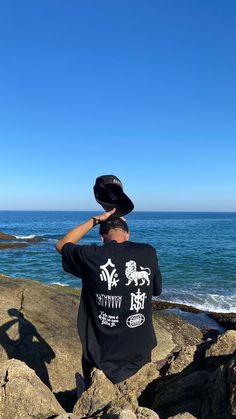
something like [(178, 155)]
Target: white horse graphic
[(135, 276)]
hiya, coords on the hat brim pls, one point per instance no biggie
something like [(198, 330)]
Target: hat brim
[(112, 196)]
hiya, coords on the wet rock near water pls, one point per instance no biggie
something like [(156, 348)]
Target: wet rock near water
[(192, 373), (226, 320), (8, 241), (4, 246)]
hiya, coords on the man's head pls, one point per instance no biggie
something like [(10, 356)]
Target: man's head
[(114, 228)]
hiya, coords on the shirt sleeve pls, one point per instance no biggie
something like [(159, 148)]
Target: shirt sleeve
[(157, 280), (73, 259)]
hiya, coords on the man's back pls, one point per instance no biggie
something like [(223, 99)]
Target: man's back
[(115, 316)]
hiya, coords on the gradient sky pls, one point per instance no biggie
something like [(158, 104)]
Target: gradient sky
[(145, 90)]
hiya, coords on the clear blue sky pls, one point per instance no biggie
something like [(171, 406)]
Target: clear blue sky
[(145, 90)]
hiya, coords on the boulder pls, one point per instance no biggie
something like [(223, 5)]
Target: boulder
[(179, 393), (5, 236), (219, 392), (38, 325), (182, 360), (4, 246), (23, 395), (227, 320), (137, 383), (173, 333), (224, 345), (184, 415), (100, 393)]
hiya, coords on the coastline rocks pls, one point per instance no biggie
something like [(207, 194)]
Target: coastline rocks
[(227, 320), (116, 400), (173, 333), (23, 395), (5, 236), (38, 325), (4, 246), (192, 373), (13, 242)]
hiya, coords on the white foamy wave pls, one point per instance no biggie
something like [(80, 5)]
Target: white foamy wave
[(59, 283), (204, 302), (31, 236)]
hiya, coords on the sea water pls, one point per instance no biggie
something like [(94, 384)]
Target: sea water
[(196, 251)]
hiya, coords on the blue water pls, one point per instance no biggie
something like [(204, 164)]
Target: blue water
[(197, 251)]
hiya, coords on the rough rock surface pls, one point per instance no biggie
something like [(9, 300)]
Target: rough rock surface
[(38, 325), (193, 373), (116, 400), (23, 395), (99, 394), (220, 393), (173, 333), (5, 236), (4, 246), (225, 345)]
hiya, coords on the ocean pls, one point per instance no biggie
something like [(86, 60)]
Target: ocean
[(196, 251)]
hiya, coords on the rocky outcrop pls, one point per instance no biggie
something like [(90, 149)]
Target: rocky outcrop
[(38, 325), (192, 373), (5, 236), (118, 401), (4, 246), (13, 242), (23, 395)]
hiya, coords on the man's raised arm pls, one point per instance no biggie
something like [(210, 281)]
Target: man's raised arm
[(75, 235)]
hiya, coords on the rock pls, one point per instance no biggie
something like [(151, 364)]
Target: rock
[(220, 393), (100, 393), (38, 325), (4, 246), (179, 393), (66, 416), (137, 383), (117, 413), (145, 413), (162, 305), (4, 236), (227, 320), (184, 415), (181, 361), (23, 395), (225, 345), (173, 333)]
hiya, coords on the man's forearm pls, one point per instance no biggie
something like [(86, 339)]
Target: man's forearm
[(75, 235)]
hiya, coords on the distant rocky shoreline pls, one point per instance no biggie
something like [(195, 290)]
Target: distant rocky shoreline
[(192, 373), (8, 241)]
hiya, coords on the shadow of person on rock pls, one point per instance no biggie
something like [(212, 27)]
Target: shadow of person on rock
[(29, 346)]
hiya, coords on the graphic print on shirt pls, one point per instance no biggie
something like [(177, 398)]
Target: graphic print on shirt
[(138, 277), (110, 301), (109, 275), (135, 320), (108, 319), (137, 300)]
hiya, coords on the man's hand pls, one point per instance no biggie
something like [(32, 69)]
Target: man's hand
[(105, 215), (78, 232)]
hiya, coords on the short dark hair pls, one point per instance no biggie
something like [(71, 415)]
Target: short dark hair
[(111, 224)]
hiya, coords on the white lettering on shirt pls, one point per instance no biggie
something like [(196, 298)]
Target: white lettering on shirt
[(110, 301), (108, 319), (109, 277), (137, 300)]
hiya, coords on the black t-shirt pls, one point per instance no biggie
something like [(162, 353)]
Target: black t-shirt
[(115, 314)]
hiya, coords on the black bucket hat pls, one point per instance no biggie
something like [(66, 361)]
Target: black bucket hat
[(108, 191)]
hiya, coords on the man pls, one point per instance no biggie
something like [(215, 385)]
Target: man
[(119, 279)]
